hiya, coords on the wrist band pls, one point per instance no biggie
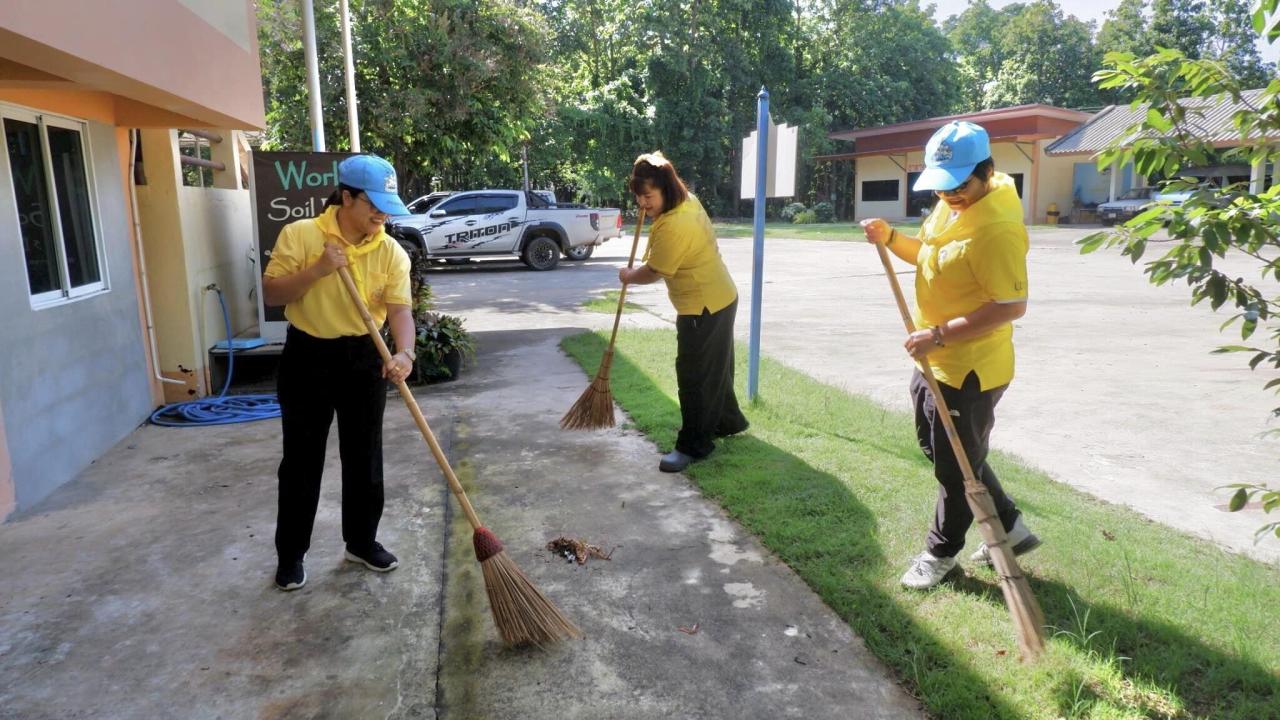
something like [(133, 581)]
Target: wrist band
[(936, 332), (893, 235)]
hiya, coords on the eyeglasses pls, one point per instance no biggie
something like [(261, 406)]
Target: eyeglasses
[(372, 207), (957, 190)]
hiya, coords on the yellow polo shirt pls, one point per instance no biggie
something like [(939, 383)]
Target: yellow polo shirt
[(379, 267), (965, 262), (682, 249)]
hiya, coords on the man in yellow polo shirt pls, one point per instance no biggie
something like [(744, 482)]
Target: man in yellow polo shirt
[(971, 284), (331, 366)]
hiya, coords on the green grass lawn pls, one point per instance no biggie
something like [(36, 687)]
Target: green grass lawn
[(609, 304), (1145, 622), (779, 229)]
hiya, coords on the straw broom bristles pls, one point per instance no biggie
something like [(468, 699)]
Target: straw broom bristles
[(521, 612), (524, 615), (594, 408), (1028, 620)]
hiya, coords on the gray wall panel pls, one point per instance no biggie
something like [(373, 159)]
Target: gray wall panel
[(73, 378)]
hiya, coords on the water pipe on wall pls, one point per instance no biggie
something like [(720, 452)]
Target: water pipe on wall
[(134, 139)]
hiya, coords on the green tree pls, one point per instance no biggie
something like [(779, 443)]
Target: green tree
[(975, 35), (1125, 29), (1181, 25), (1046, 59), (1232, 44), (447, 88), (1211, 224)]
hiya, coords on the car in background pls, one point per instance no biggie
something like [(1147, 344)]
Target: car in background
[(497, 223), (420, 206), (1130, 203)]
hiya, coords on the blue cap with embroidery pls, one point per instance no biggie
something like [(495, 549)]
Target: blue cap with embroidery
[(376, 178), (952, 153)]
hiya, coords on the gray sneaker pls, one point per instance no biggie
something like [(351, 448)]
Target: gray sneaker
[(1021, 539), (927, 571)]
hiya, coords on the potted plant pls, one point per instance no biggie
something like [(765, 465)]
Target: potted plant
[(442, 344)]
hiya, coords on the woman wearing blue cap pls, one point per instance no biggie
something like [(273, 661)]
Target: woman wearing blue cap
[(971, 284), (331, 366)]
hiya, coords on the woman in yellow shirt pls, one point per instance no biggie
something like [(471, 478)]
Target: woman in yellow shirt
[(682, 252), (331, 367), (971, 284)]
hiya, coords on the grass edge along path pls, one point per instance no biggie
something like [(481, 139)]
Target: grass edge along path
[(1144, 621), (608, 303)]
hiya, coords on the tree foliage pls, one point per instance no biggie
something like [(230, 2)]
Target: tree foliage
[(440, 82), (453, 90), (1238, 221)]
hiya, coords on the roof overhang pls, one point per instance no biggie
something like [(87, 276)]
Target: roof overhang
[(981, 118), (163, 63)]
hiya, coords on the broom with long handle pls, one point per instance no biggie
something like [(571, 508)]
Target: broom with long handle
[(594, 408), (1028, 620), (522, 613)]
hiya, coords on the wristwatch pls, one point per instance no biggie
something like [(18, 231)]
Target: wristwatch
[(413, 357)]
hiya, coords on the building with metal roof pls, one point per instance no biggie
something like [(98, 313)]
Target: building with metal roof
[(887, 159), (1049, 152), (1211, 119)]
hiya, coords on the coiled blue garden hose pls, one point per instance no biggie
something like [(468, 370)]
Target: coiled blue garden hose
[(221, 410)]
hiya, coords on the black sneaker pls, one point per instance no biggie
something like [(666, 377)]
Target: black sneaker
[(290, 575), (376, 558)]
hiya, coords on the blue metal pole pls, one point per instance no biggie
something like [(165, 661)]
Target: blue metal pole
[(757, 255)]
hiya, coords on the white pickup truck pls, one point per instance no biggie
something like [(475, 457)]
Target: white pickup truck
[(496, 223)]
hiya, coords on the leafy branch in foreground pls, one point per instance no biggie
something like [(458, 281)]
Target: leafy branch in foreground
[(1178, 132)]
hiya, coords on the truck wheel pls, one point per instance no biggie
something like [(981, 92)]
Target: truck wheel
[(542, 253), (580, 252)]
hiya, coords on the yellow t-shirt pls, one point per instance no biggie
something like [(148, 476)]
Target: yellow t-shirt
[(682, 249), (965, 262), (379, 267)]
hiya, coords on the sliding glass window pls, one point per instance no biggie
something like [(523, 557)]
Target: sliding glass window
[(48, 163)]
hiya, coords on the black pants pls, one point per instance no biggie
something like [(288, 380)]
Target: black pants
[(704, 374), (319, 378), (973, 412)]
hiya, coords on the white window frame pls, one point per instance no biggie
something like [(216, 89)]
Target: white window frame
[(44, 121)]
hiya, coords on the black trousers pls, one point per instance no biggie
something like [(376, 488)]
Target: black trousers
[(318, 379), (973, 412), (704, 374)]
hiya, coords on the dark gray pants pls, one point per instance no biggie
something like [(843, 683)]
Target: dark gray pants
[(973, 412), (704, 374), (318, 379)]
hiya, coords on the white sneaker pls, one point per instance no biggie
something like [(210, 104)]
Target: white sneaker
[(1021, 539), (927, 571)]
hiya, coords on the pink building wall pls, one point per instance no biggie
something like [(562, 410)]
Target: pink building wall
[(165, 64)]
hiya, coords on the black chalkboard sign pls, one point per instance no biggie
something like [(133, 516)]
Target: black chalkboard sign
[(286, 186)]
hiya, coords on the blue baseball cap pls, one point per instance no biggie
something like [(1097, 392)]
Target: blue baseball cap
[(952, 153), (376, 178)]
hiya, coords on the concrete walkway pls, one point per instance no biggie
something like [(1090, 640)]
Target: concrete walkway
[(143, 588)]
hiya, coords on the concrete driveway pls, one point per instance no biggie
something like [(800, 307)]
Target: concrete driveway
[(1116, 392), (142, 589)]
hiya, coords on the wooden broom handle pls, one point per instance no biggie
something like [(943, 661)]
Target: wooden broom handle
[(1023, 608), (409, 401), (970, 481), (622, 294)]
